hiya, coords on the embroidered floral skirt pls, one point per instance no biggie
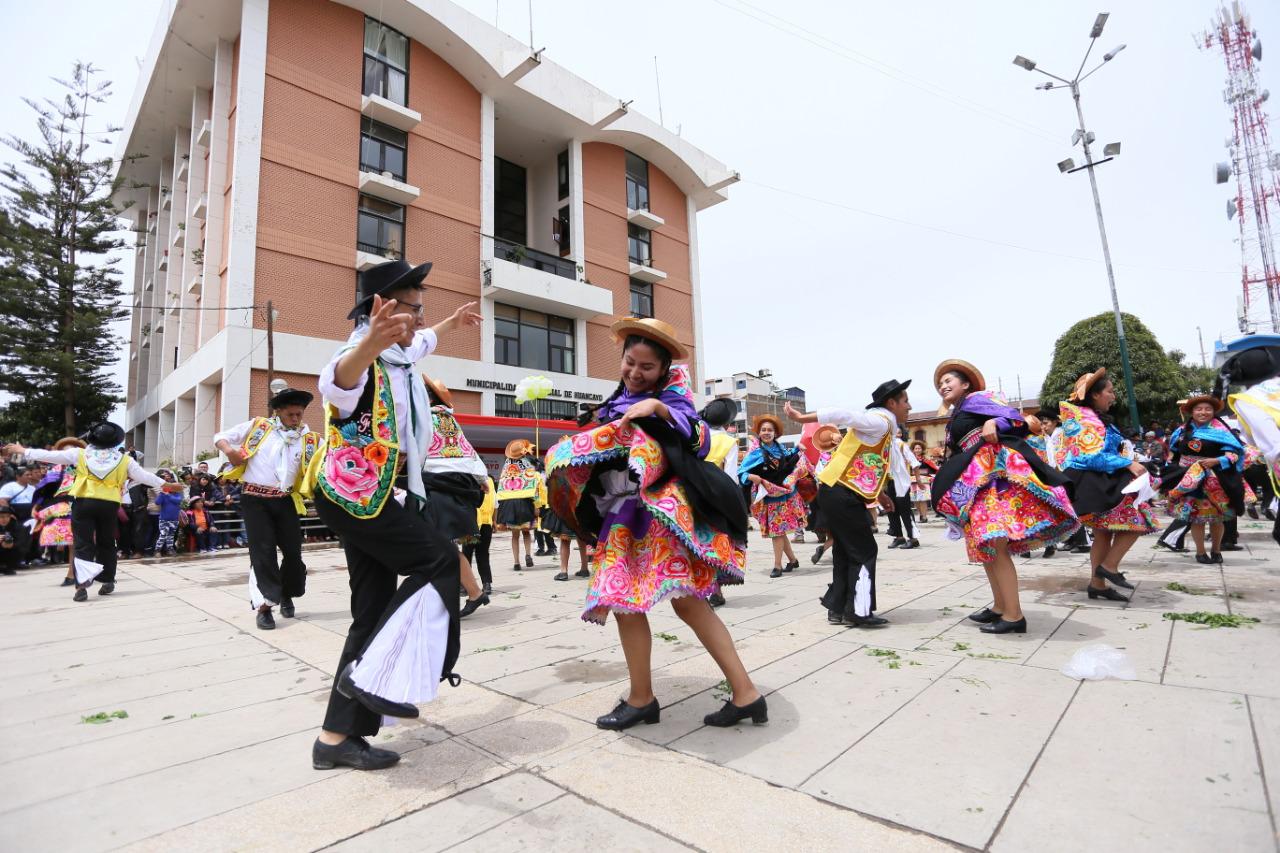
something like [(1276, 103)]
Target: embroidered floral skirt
[(56, 532), (1124, 518), (1000, 497), (1211, 507), (781, 517)]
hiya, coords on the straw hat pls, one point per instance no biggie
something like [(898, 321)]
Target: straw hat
[(518, 448), (976, 380), (1191, 402), (441, 393), (650, 329), (760, 420), (69, 441), (1084, 383), (826, 438)]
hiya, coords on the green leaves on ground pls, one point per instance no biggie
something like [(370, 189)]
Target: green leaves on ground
[(1212, 620), (665, 637), (103, 717), (491, 649), (960, 647)]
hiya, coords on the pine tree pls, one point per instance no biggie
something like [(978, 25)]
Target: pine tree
[(59, 283)]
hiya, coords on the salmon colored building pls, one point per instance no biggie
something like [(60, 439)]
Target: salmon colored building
[(275, 148)]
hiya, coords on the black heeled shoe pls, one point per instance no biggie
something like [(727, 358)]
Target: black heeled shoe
[(985, 616), (347, 687), (731, 714), (528, 561), (472, 605), (1116, 578), (1000, 626), (817, 555), (1203, 559), (582, 573), (1215, 557), (776, 573), (792, 566), (562, 576), (516, 567), (625, 716), (1108, 593)]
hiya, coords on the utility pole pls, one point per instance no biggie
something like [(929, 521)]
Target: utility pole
[(271, 350), (1204, 361)]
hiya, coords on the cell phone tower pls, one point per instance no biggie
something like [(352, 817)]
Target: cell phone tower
[(1256, 205)]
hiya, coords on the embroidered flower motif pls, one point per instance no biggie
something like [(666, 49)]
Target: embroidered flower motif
[(350, 474), (384, 431), (376, 453)]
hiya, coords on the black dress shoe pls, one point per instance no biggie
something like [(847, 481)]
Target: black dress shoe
[(68, 582), (266, 621), (817, 555), (516, 567), (487, 588), (107, 588), (286, 608), (625, 716), (871, 621), (528, 561), (1116, 578), (1203, 559), (539, 553), (897, 542), (791, 567), (374, 703), (582, 573), (1081, 549), (984, 616), (352, 752), (1108, 593), (715, 599), (1215, 557), (730, 714), (472, 605), (834, 617), (562, 576), (1002, 627), (1231, 546), (911, 543), (776, 573), (82, 594), (1253, 511)]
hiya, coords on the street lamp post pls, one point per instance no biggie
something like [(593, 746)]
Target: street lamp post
[(1083, 136)]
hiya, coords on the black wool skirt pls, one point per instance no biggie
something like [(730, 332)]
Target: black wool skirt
[(515, 513)]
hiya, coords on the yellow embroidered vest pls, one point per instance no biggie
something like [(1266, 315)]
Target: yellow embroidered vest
[(360, 454), (859, 466), (1265, 396), (87, 485), (721, 445), (258, 433)]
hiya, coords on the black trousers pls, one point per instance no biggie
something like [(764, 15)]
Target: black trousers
[(853, 549), (143, 535), (900, 519), (270, 523), (544, 540), (396, 542), (1231, 533), (480, 552), (1175, 533), (93, 528)]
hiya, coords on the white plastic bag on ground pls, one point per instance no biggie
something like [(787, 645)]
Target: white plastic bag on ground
[(1100, 661)]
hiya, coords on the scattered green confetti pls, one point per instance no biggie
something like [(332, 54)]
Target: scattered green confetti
[(895, 664), (197, 714), (722, 690), (492, 649), (1176, 587), (883, 653), (104, 717), (167, 717), (960, 647), (1140, 626), (972, 682), (1212, 620), (915, 663), (665, 637), (992, 656), (513, 595)]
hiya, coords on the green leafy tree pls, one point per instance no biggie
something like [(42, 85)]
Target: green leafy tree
[(1160, 377), (59, 283)]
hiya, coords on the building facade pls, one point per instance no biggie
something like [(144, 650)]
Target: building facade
[(275, 148), (756, 394), (930, 426)]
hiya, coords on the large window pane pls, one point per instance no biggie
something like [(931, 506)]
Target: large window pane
[(533, 339), (534, 351)]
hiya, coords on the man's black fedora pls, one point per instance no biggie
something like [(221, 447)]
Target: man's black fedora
[(378, 280), (885, 391), (291, 397)]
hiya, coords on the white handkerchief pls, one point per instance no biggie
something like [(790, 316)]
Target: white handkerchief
[(1141, 487)]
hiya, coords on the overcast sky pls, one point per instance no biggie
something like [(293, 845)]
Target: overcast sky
[(900, 202)]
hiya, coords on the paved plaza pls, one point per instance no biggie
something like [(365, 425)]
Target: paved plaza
[(923, 735)]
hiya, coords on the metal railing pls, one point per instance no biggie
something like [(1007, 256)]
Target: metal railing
[(508, 250)]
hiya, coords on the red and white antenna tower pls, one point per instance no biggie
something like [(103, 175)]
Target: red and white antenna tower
[(1257, 202)]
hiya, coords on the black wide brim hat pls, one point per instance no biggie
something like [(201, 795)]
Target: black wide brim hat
[(105, 435), (887, 390), (720, 412), (1252, 365), (376, 281), (291, 397)]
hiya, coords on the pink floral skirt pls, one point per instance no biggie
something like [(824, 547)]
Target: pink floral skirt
[(1124, 518), (781, 518)]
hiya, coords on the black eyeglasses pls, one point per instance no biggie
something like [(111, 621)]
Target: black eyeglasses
[(416, 307)]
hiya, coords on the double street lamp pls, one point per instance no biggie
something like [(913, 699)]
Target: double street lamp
[(1068, 166)]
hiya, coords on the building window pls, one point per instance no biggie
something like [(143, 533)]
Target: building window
[(637, 182), (380, 227), (563, 235), (510, 210), (741, 383), (531, 339), (562, 174), (504, 406), (919, 435), (710, 388), (382, 148), (642, 299), (386, 63), (638, 250)]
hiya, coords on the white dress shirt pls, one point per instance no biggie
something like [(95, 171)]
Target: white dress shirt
[(346, 399), (1259, 426), (275, 464), (72, 454), (871, 426)]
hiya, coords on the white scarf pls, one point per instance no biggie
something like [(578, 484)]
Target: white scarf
[(419, 405), (101, 461), (290, 437)]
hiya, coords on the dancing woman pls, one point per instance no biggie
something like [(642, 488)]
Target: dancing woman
[(667, 524), (773, 470), (1205, 478), (1089, 454), (994, 490)]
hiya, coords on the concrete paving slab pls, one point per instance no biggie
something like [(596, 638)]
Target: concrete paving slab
[(1160, 769), (537, 738), (952, 759), (1265, 714), (1238, 660), (1141, 636)]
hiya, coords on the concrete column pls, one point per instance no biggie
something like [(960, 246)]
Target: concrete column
[(205, 416), (577, 214), (219, 113), (243, 245), (184, 433), (487, 131), (692, 217)]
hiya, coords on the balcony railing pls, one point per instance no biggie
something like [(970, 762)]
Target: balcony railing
[(507, 250)]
